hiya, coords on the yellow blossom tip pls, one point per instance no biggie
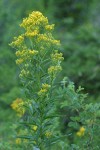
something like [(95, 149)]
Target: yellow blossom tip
[(34, 127), (81, 132), (18, 141)]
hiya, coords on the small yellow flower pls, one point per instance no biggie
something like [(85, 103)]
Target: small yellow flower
[(48, 134), (42, 92), (82, 129), (44, 89), (18, 141), (34, 127), (17, 105), (81, 132)]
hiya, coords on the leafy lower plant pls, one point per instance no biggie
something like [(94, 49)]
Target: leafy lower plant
[(82, 118)]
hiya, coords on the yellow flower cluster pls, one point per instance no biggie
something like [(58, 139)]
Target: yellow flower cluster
[(35, 19), (19, 61), (33, 25), (25, 55), (42, 37), (44, 89), (48, 39), (57, 57), (18, 106), (24, 73), (54, 70), (55, 42), (31, 34), (49, 27), (81, 132), (17, 41), (48, 134)]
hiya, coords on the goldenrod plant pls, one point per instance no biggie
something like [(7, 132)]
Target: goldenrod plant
[(39, 60), (40, 114)]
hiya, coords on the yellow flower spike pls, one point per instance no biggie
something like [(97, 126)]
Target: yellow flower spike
[(35, 18), (34, 127), (37, 35), (18, 141)]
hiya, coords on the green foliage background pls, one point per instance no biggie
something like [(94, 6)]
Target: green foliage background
[(77, 26)]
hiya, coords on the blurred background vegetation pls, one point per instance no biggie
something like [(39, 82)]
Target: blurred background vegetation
[(77, 26)]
